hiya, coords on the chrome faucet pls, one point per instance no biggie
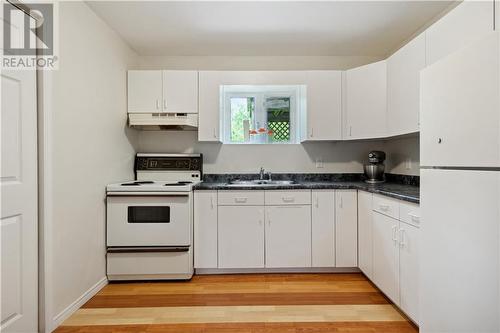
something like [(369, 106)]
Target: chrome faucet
[(261, 173)]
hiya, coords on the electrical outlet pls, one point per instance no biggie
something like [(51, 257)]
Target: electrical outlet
[(408, 164), (319, 163)]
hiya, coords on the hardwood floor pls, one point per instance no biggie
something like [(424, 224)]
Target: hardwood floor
[(257, 303)]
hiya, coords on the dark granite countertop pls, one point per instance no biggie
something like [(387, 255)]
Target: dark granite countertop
[(398, 190)]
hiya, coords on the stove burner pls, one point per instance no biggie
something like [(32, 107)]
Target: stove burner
[(138, 183), (182, 183)]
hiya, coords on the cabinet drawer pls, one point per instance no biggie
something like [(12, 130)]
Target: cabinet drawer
[(240, 198), (386, 206), (410, 213), (300, 197)]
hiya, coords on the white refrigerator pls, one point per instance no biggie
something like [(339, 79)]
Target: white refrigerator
[(460, 191)]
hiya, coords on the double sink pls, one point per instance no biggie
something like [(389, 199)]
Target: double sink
[(259, 182)]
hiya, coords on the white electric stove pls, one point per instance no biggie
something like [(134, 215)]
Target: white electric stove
[(150, 219)]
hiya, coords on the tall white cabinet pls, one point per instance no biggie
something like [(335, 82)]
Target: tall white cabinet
[(365, 101), (469, 22)]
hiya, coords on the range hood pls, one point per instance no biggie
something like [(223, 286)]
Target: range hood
[(164, 121)]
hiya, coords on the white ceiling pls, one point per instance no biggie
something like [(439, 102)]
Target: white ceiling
[(367, 28)]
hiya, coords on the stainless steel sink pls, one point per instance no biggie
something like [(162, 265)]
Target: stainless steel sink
[(258, 182)]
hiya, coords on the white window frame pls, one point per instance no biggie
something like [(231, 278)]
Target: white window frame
[(260, 93)]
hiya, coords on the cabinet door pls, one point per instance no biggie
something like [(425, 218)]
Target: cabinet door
[(241, 237), (409, 270), (209, 106), (288, 236), (323, 228), (468, 22), (144, 91), (460, 108), (365, 245), (180, 91), (324, 105), (365, 101), (386, 255), (346, 228), (403, 87), (205, 229)]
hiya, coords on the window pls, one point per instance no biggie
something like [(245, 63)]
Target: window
[(260, 114)]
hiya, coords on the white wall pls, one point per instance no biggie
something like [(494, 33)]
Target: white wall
[(218, 158), (91, 147)]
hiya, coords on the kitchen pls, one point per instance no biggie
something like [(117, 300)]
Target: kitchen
[(267, 169)]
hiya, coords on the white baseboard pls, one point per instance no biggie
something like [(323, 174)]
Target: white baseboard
[(202, 271), (66, 313)]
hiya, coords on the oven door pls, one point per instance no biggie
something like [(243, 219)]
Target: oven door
[(149, 220)]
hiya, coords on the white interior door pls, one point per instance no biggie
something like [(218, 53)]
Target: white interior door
[(18, 188)]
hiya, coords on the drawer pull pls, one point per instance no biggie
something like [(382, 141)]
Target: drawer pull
[(288, 199), (384, 208), (414, 218), (394, 233), (240, 200)]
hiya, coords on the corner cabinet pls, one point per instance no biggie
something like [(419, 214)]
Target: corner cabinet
[(153, 91), (324, 106), (389, 248), (403, 87), (365, 101)]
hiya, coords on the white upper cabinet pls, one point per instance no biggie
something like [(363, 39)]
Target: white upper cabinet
[(145, 91), (324, 106), (180, 91), (323, 228), (152, 91), (403, 87), (365, 101), (466, 23), (209, 100), (460, 108)]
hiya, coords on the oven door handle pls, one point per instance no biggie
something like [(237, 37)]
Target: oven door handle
[(143, 249), (148, 194)]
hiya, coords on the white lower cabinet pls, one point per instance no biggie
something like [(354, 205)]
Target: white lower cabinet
[(288, 236), (323, 228), (205, 229), (241, 237), (365, 243), (386, 255), (409, 270), (395, 250), (346, 228)]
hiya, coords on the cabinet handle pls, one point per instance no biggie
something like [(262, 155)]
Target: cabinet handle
[(164, 104), (312, 132), (440, 140), (157, 104), (384, 208), (212, 202), (240, 200), (214, 133), (414, 218), (394, 233), (341, 203), (401, 237), (350, 130), (288, 199)]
